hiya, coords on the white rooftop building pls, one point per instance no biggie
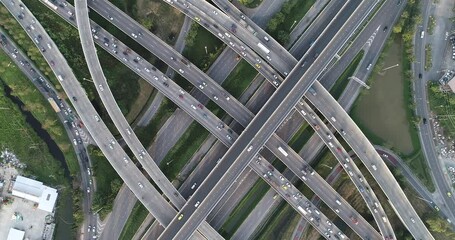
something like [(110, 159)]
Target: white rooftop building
[(15, 234), (35, 191)]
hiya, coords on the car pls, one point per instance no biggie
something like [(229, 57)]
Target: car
[(75, 142), (180, 217), (140, 185), (413, 220), (128, 130), (111, 146), (181, 71), (52, 63), (420, 75), (89, 228), (329, 136), (215, 97), (197, 204), (180, 96), (134, 35), (276, 83), (449, 194), (97, 118), (74, 98), (193, 186), (424, 121), (110, 17), (197, 19), (354, 220), (385, 29), (125, 159), (339, 150), (101, 87), (347, 159), (60, 77), (330, 144), (343, 132), (384, 218), (360, 178), (374, 167), (250, 148), (215, 12), (337, 210), (229, 137), (338, 201), (200, 106), (88, 189)]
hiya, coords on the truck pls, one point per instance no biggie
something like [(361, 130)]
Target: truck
[(282, 151), (53, 104), (302, 210), (263, 48)]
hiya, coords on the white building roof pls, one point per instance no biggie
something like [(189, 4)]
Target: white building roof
[(28, 186), (451, 84), (35, 191), (48, 199), (15, 234)]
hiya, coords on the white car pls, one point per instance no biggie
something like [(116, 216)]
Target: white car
[(101, 87), (193, 186), (197, 204)]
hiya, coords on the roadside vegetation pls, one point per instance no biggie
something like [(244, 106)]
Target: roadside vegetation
[(292, 11), (17, 136), (442, 104), (137, 216), (107, 181), (250, 3), (431, 24), (343, 80), (183, 150), (239, 79), (202, 47), (428, 59), (66, 38)]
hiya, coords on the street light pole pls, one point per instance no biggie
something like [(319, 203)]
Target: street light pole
[(295, 21), (206, 50)]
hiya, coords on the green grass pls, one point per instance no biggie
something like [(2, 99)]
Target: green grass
[(137, 216), (443, 106), (17, 136), (292, 11), (42, 111), (428, 59), (250, 3), (240, 78), (147, 134), (274, 228), (195, 52), (123, 86), (343, 80), (301, 137), (108, 182), (419, 166), (244, 208), (183, 150)]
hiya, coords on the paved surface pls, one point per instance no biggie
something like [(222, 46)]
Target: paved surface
[(314, 12), (178, 46), (67, 116), (260, 128), (423, 111), (136, 181)]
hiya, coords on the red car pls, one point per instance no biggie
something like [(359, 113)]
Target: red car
[(200, 106)]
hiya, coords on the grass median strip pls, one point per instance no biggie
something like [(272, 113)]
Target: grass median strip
[(137, 216)]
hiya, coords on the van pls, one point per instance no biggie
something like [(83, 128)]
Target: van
[(422, 34)]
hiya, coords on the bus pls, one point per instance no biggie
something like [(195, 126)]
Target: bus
[(53, 104), (51, 5), (282, 151), (263, 48)]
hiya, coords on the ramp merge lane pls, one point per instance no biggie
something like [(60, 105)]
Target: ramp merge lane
[(316, 183), (253, 138)]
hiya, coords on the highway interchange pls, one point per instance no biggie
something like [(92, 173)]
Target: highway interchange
[(281, 103)]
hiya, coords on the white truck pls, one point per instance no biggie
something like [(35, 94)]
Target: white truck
[(283, 152), (302, 210), (263, 48)]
